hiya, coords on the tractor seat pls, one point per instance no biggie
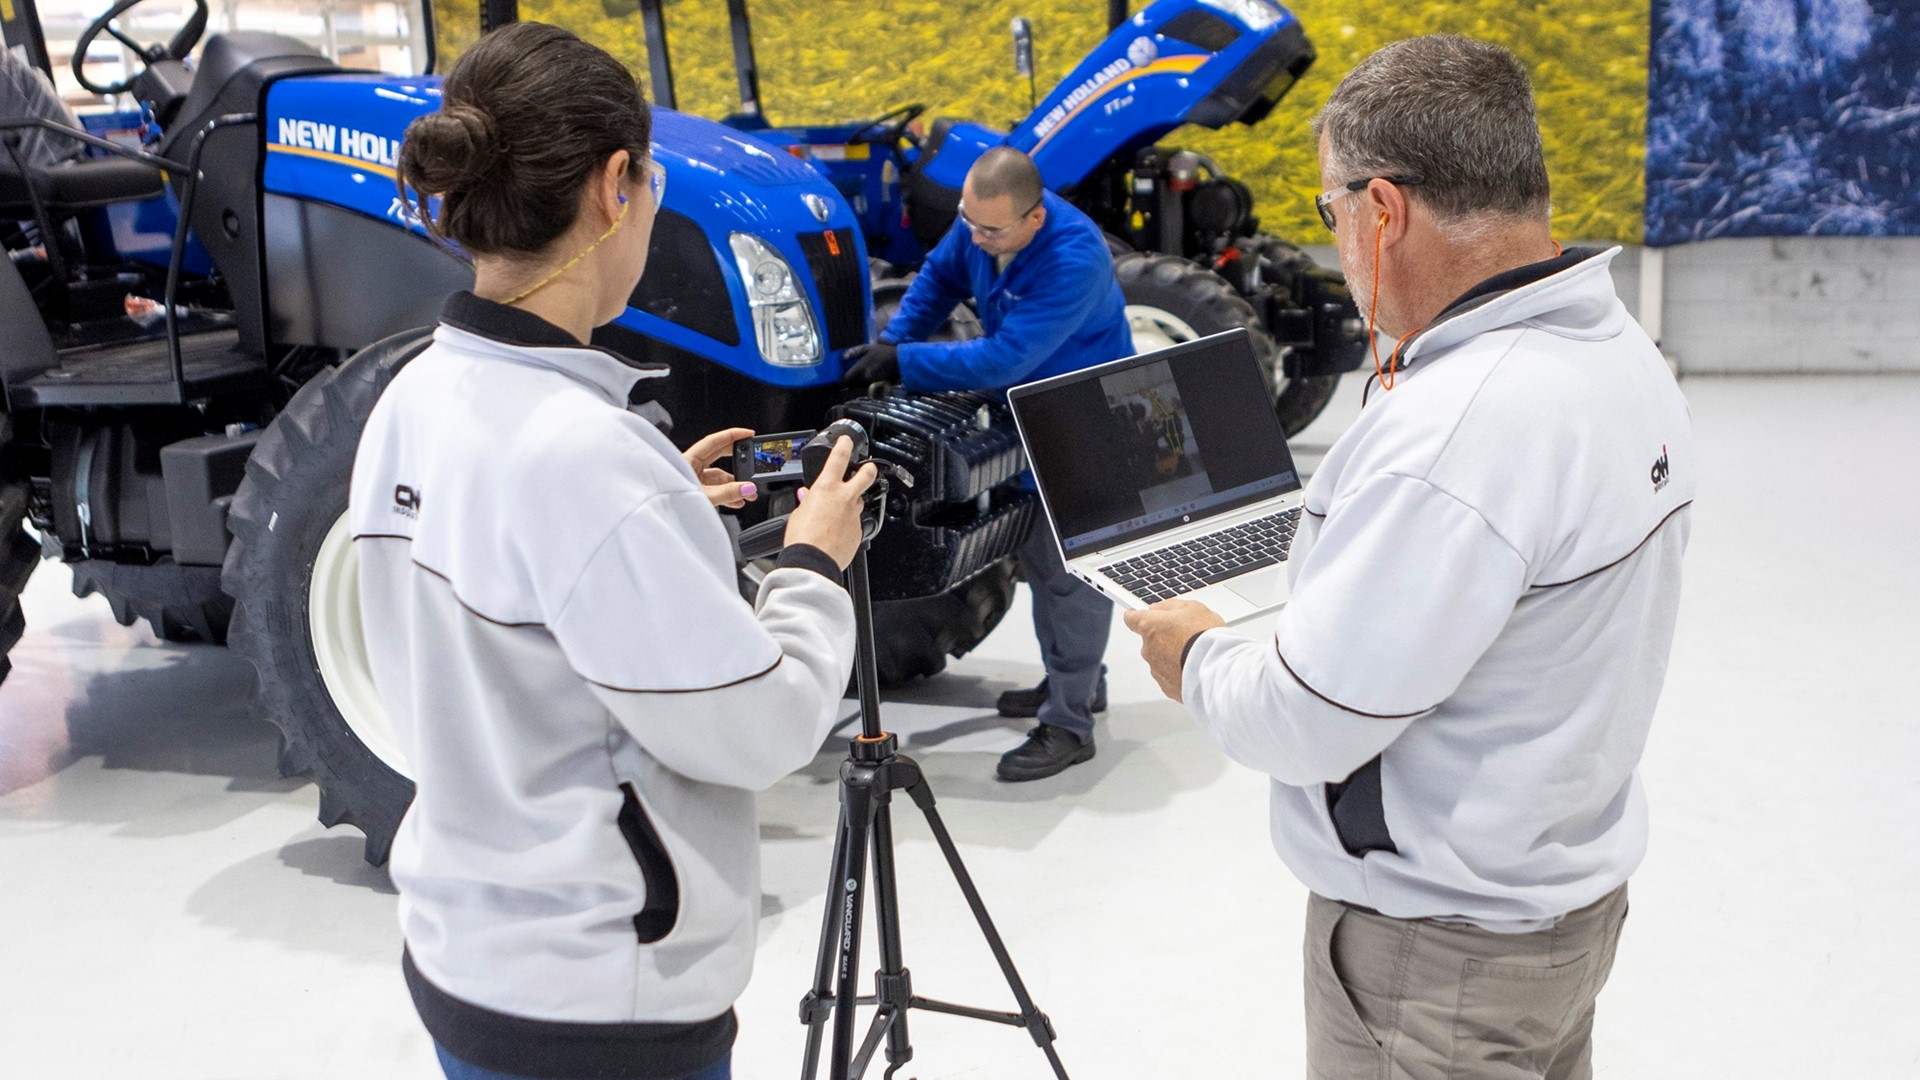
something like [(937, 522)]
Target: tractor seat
[(931, 205), (72, 186)]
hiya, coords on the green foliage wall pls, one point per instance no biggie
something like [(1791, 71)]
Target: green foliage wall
[(836, 60)]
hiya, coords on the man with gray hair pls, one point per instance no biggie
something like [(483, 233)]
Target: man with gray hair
[(1455, 700)]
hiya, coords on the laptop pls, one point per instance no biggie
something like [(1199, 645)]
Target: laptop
[(1167, 475)]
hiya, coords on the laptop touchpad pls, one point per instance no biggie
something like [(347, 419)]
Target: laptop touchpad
[(1262, 588)]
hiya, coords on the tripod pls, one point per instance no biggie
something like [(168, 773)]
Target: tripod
[(871, 774)]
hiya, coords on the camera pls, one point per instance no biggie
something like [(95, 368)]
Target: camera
[(813, 458), (813, 455)]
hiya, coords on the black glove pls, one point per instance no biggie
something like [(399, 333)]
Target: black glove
[(869, 364)]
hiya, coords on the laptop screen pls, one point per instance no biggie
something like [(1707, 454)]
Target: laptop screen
[(1127, 449)]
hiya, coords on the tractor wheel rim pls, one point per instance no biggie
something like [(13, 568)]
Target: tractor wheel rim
[(340, 647), (1157, 328)]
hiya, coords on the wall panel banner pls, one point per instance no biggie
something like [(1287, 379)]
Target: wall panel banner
[(1783, 118)]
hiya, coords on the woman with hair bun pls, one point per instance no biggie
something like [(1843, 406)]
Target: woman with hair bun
[(552, 616)]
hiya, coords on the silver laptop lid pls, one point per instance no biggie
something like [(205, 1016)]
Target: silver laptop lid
[(1131, 448)]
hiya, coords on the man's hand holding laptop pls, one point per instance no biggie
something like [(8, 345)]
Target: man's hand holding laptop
[(1165, 629)]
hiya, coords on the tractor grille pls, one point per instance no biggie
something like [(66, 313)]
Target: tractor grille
[(842, 281), (684, 284)]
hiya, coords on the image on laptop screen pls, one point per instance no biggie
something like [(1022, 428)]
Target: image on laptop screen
[(1133, 447)]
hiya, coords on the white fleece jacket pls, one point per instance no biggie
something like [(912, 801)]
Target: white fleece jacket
[(587, 704), (1484, 593)]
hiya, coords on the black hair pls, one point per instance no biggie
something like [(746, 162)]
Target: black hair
[(527, 116)]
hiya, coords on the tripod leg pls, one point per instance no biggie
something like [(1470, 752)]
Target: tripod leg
[(846, 893), (893, 986), (1038, 1026), (814, 1010)]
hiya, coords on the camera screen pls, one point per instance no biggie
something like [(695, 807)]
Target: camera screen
[(778, 455)]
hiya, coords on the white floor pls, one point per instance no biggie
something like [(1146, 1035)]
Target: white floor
[(170, 908)]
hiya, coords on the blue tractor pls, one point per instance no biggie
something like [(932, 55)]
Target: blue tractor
[(1188, 249), (197, 318)]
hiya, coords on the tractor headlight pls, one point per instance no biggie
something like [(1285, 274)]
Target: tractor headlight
[(783, 320), (1256, 14)]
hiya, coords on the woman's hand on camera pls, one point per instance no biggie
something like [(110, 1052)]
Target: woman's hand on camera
[(828, 516), (719, 484)]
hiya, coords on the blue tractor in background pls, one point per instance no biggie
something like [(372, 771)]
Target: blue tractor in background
[(1188, 249), (197, 318)]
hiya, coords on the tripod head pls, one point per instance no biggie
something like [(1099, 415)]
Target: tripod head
[(813, 459)]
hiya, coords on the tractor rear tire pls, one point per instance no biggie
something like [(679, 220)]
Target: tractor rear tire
[(914, 638), (179, 603), (286, 570), (19, 554), (1171, 299), (1302, 400)]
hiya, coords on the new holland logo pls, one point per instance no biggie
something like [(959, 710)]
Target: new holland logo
[(818, 206), (1660, 470), (1079, 95)]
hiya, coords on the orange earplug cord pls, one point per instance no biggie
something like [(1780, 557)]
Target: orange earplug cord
[(1387, 373)]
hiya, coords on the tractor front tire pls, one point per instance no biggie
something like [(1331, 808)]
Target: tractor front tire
[(1171, 300), (292, 574), (914, 638)]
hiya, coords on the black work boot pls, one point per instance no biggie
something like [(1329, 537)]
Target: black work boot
[(1048, 750), (1026, 703)]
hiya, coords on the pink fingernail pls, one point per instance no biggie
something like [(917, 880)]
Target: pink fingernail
[(749, 490), (801, 495)]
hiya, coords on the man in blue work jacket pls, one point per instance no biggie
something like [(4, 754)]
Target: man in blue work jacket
[(1041, 275)]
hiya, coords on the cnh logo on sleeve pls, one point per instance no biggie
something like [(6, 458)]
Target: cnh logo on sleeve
[(406, 501), (1660, 470)]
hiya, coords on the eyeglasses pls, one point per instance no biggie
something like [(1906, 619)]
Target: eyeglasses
[(996, 230), (656, 180), (1323, 202)]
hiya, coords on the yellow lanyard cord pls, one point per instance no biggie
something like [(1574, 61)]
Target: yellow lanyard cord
[(575, 261)]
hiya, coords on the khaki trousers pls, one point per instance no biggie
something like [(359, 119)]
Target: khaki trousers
[(1419, 999)]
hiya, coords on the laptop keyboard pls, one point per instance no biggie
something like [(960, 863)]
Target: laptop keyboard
[(1195, 564)]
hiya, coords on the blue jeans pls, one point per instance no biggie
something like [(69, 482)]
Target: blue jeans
[(460, 1070), (1072, 620)]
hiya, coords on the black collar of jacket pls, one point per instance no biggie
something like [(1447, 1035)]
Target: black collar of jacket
[(1517, 278), (1500, 285), (1490, 290), (525, 330), (507, 325)]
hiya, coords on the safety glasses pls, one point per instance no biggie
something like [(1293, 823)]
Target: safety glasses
[(996, 230), (1323, 202), (656, 180)]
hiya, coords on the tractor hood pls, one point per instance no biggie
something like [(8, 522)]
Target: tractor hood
[(336, 138), (720, 150), (332, 142)]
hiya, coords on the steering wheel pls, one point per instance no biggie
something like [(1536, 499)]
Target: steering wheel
[(177, 49), (888, 134)]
